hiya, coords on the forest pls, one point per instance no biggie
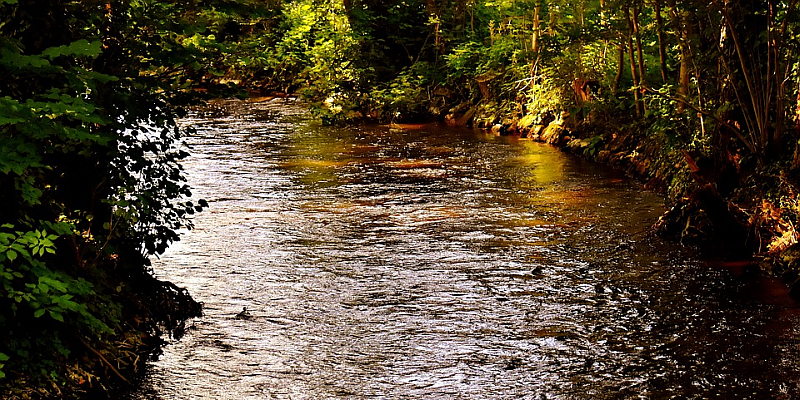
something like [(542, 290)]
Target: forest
[(699, 99)]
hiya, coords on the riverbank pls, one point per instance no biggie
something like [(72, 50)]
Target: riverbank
[(86, 367), (729, 209), (710, 137), (721, 202)]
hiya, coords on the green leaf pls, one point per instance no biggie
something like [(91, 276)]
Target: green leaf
[(38, 313), (100, 77), (77, 48), (15, 59), (56, 315), (11, 254), (63, 299), (52, 283)]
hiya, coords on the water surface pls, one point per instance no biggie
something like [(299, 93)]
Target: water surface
[(426, 262)]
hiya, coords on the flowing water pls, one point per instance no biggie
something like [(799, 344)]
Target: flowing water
[(426, 262)]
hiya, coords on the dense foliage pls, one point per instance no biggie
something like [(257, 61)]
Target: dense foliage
[(91, 187), (718, 70), (714, 83)]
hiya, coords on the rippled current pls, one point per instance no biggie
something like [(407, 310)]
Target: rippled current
[(426, 262)]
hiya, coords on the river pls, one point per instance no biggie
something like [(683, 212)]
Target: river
[(428, 262)]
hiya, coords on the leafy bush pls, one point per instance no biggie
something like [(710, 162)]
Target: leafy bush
[(92, 185)]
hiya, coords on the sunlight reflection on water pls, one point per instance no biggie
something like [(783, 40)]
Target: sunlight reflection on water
[(440, 263)]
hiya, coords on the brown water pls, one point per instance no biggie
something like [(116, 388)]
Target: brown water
[(426, 262)]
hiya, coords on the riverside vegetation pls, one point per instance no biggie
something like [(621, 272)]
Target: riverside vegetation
[(698, 99)]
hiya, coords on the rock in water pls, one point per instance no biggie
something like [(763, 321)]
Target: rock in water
[(243, 314)]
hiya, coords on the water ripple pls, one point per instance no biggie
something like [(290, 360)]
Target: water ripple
[(439, 263)]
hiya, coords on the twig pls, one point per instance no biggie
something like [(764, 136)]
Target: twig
[(116, 372)]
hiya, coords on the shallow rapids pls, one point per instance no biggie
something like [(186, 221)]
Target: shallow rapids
[(427, 262)]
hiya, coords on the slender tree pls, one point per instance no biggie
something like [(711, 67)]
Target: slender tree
[(662, 45)]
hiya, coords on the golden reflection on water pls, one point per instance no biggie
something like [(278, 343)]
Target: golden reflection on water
[(423, 263), (544, 168)]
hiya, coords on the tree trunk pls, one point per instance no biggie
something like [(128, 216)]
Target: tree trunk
[(781, 74), (582, 19), (433, 12), (681, 20), (662, 45), (536, 27), (632, 57), (757, 87), (637, 9), (621, 67)]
